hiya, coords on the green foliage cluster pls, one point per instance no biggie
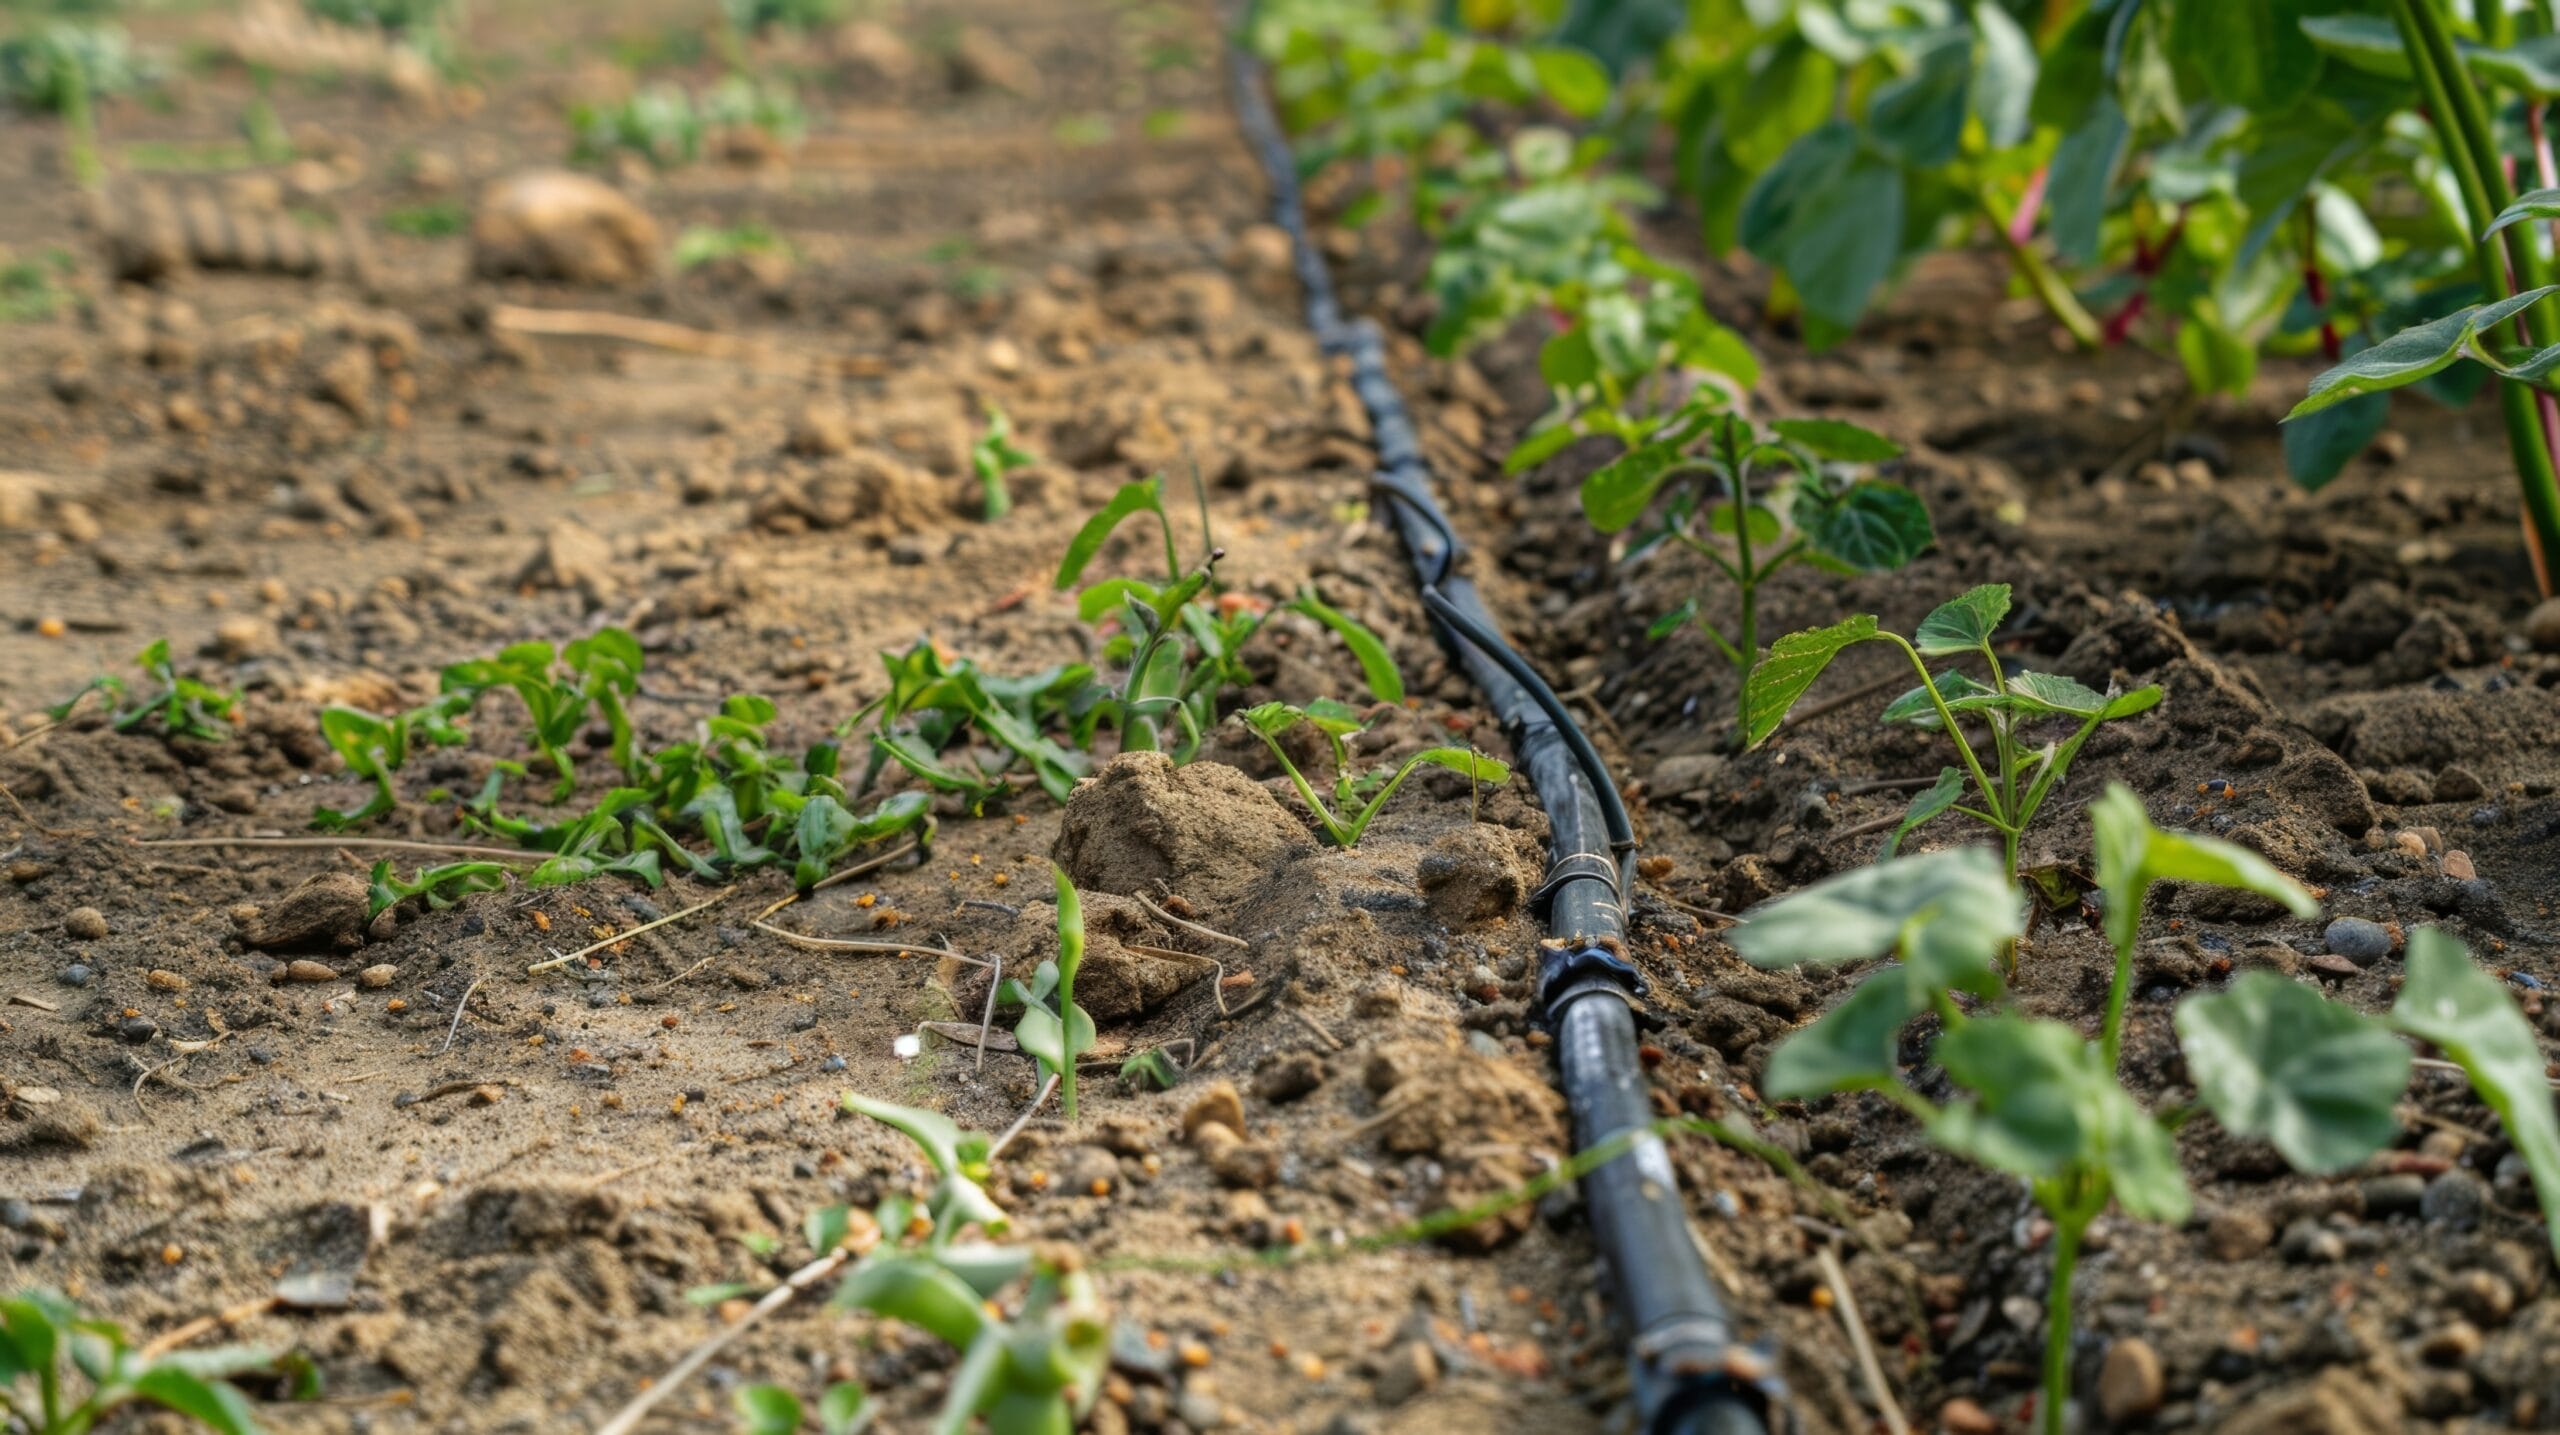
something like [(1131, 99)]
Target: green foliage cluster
[(32, 288), (2021, 772), (181, 706), (1358, 796), (1029, 1323), (63, 1374), (667, 125), (2271, 1058), (62, 67)]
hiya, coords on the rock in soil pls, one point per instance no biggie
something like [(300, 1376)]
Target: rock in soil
[(86, 924), (1205, 829), (1439, 1097), (2358, 940), (1216, 1105), (1290, 1077), (1476, 874), (2130, 1383), (551, 224), (324, 912)]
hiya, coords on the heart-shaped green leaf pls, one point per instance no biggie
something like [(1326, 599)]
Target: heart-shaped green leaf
[(2278, 1061), (1789, 667), (1965, 623), (1872, 527), (1948, 914), (1850, 1047), (2466, 1013)]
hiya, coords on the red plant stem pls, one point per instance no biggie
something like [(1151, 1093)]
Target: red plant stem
[(2022, 225), (2120, 323), (2316, 286), (2147, 259)]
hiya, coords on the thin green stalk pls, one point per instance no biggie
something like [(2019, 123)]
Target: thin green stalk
[(2067, 1226), (80, 126), (2462, 130), (2047, 286), (1749, 643)]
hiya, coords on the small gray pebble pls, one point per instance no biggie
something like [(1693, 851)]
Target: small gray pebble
[(16, 1214), (641, 907), (731, 936), (2307, 1242), (473, 924), (2456, 1200), (2486, 816), (833, 1063), (75, 975), (137, 1029), (2359, 941), (2398, 1194)]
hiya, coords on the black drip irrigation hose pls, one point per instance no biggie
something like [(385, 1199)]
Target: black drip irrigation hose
[(1691, 1372)]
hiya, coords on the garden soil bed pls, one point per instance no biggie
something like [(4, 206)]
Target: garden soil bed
[(488, 1191)]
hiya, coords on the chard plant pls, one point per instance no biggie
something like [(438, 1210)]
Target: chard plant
[(1753, 503), (1029, 1323), (181, 706), (994, 455), (1053, 1029), (2011, 787), (62, 1373), (1360, 797)]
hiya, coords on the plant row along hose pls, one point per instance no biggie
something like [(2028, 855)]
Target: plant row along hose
[(1692, 1374)]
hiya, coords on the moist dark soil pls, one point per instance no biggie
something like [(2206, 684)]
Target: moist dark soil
[(487, 1191)]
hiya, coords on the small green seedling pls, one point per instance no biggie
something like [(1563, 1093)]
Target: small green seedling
[(184, 707), (32, 289), (1149, 1070), (1750, 525), (441, 886), (1057, 1031), (2022, 773), (1035, 1371), (438, 220), (702, 244), (39, 1395), (601, 671), (376, 747), (2037, 1098), (1338, 722), (994, 455), (755, 16), (668, 125), (773, 1410)]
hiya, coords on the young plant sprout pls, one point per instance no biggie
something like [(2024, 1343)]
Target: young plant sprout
[(2021, 773), (184, 707), (1053, 1028), (1036, 1371), (1361, 797), (1749, 524), (441, 886), (2037, 1098), (994, 455), (49, 1352)]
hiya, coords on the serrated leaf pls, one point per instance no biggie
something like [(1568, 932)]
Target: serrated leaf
[(1851, 1046), (1789, 667), (2054, 693), (1837, 440), (2277, 1061), (1938, 797), (1965, 623), (2466, 1013)]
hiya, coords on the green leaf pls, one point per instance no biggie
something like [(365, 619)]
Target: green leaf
[(1829, 214), (2319, 446), (917, 1291), (2133, 854), (1726, 520), (1871, 527), (2370, 43), (1940, 796), (2414, 353), (2531, 65), (2537, 204), (943, 1142), (766, 1410), (2217, 360), (1920, 116), (213, 1403), (2044, 1103), (1790, 667), (1850, 1047), (1538, 447), (1617, 493), (1466, 764), (2054, 693), (2004, 79), (1963, 624), (844, 1409), (974, 1383), (2077, 184), (2466, 1013), (2277, 1061), (1948, 914), (1133, 498), (1960, 693), (1576, 82), (1377, 666), (1837, 440)]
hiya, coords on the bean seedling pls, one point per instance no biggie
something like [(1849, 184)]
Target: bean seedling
[(183, 706), (1033, 1372), (1360, 797), (1814, 512), (994, 455), (441, 886), (40, 1330), (2022, 773), (1056, 1032)]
